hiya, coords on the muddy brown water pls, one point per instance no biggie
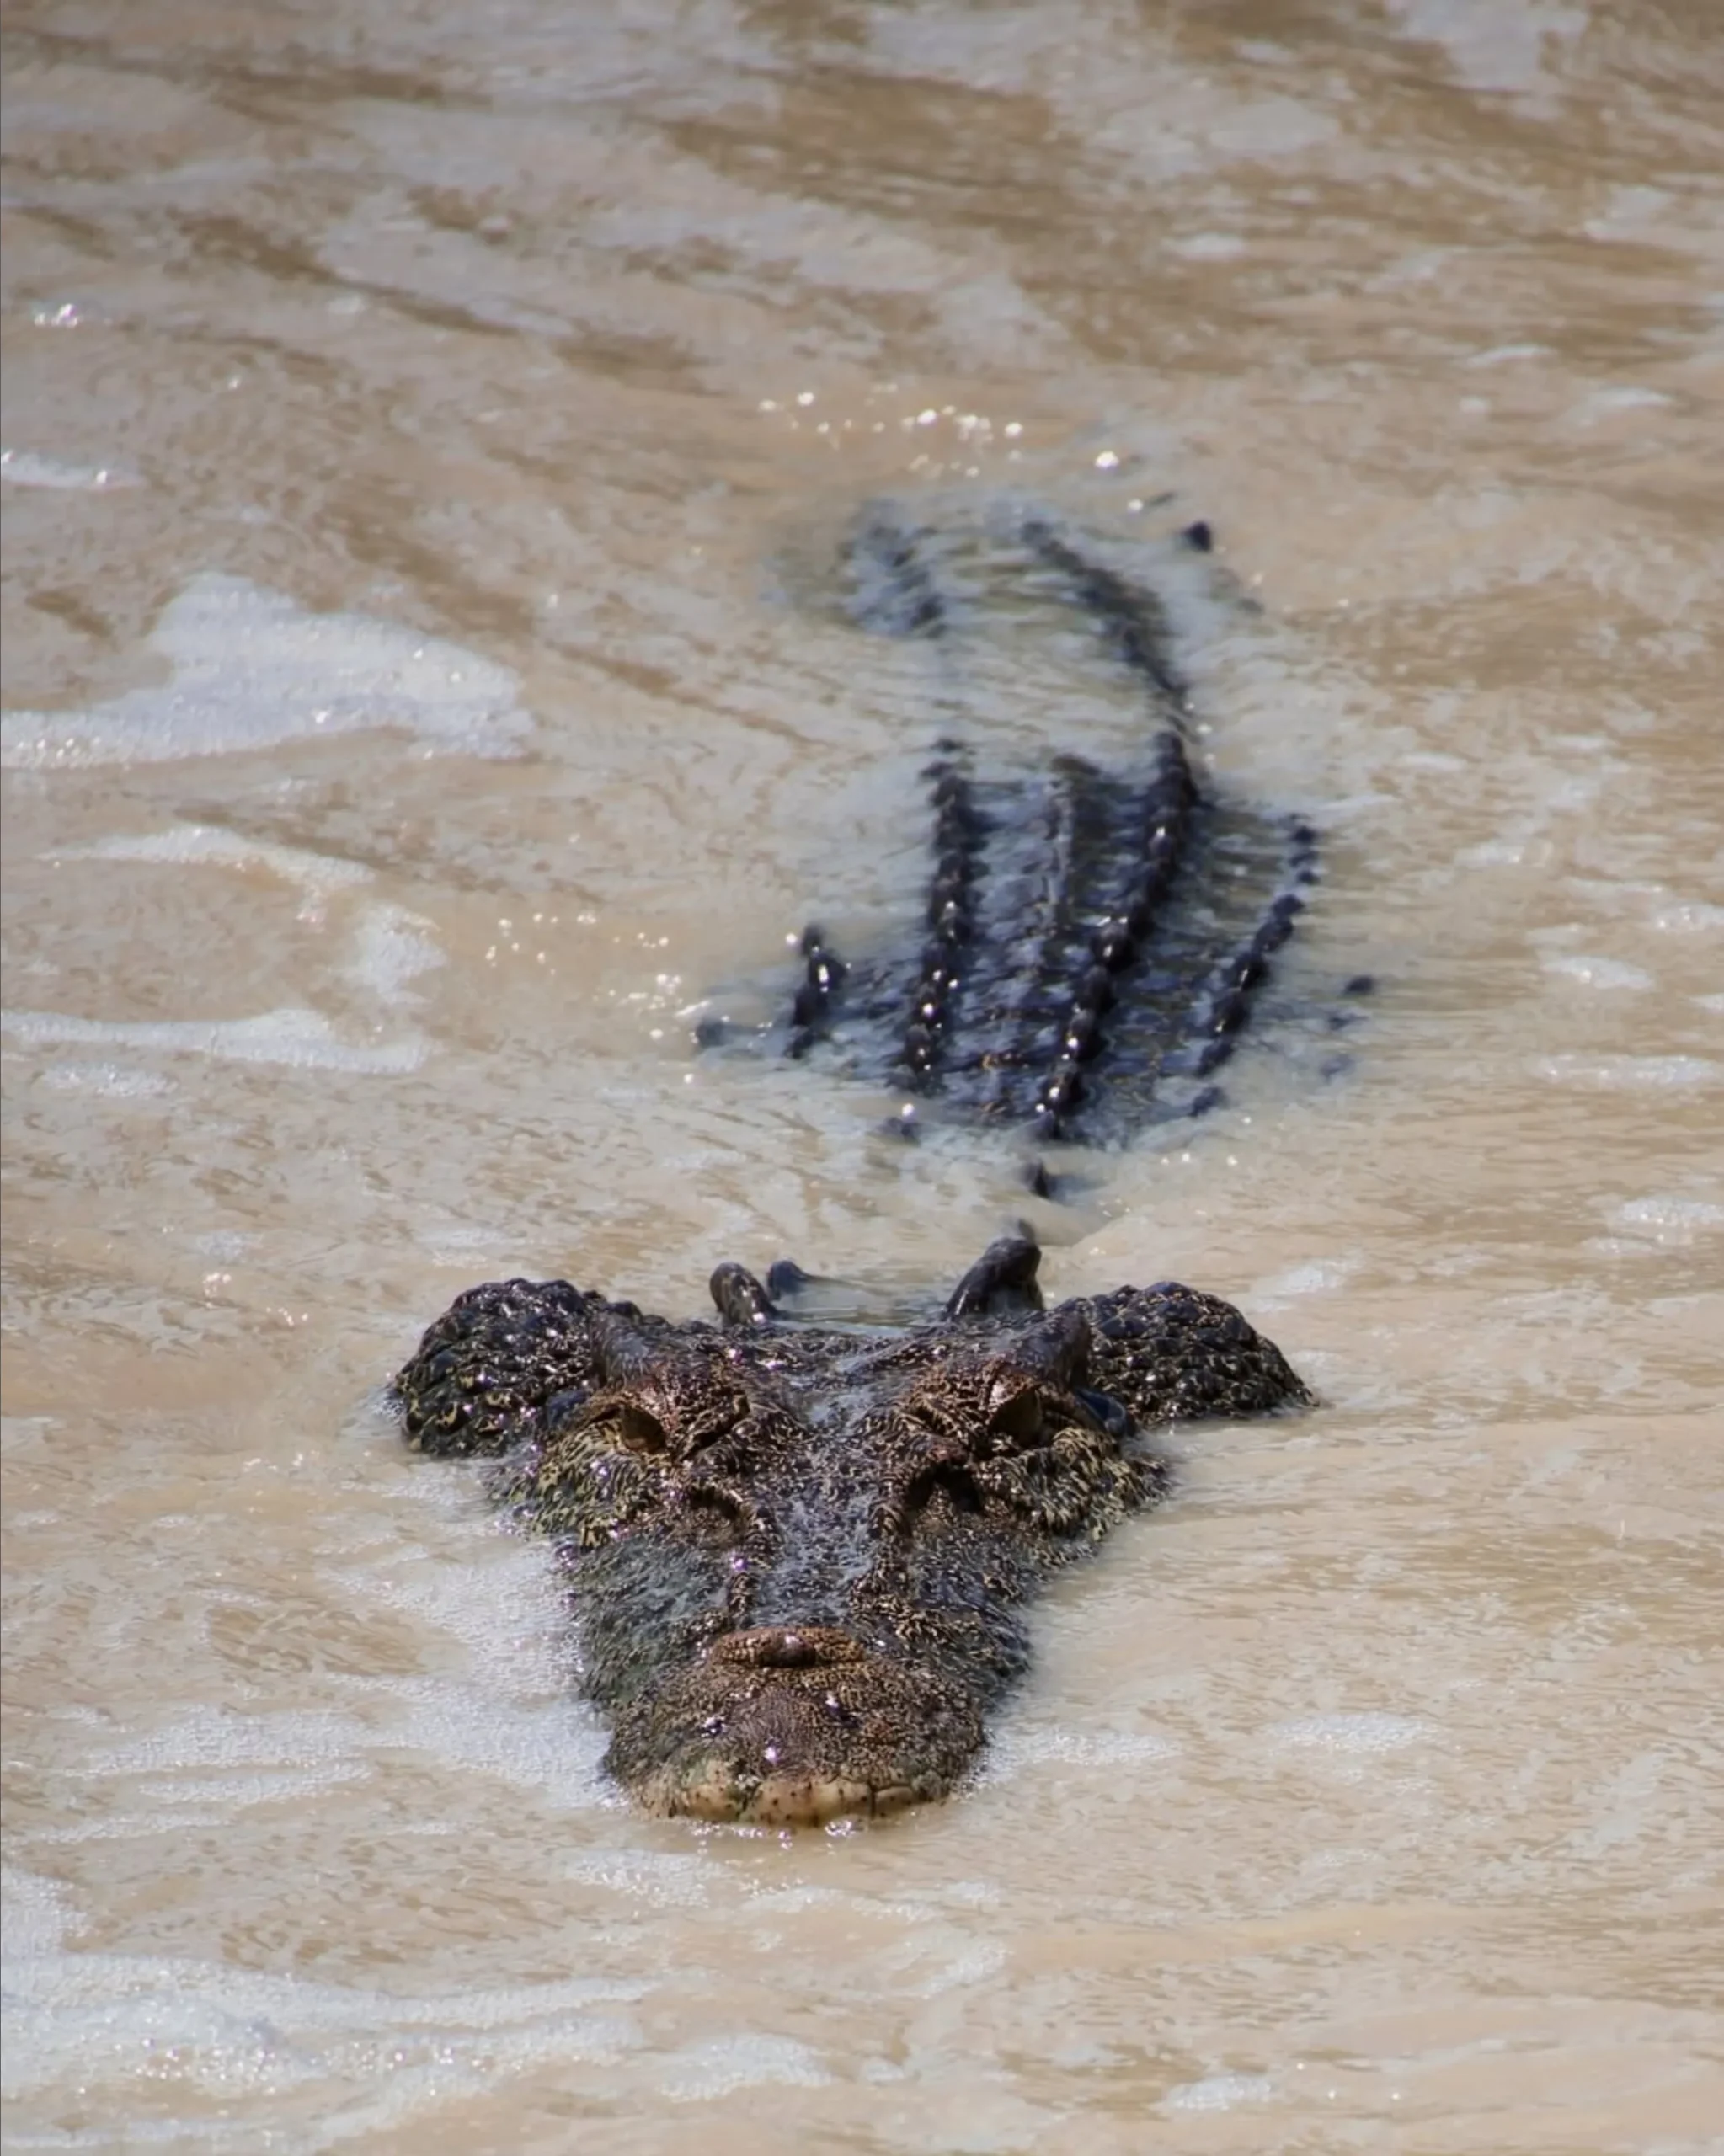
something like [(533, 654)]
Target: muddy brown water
[(418, 425)]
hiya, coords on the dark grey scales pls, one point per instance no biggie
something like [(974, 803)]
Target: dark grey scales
[(1092, 938), (799, 1556)]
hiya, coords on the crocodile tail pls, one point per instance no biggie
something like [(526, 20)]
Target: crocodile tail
[(893, 590), (1075, 890), (1131, 615), (1209, 1032), (960, 838)]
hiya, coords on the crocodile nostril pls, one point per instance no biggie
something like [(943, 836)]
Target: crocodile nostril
[(786, 1647)]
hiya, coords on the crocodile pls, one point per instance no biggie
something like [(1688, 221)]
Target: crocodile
[(1095, 934), (799, 1554)]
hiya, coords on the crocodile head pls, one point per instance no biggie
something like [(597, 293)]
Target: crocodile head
[(799, 1558)]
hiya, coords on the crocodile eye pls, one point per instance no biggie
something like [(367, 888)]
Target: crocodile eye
[(1019, 1419), (642, 1431)]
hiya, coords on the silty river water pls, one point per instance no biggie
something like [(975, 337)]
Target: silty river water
[(422, 427)]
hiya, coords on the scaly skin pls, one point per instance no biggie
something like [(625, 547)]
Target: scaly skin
[(1094, 939), (799, 1556)]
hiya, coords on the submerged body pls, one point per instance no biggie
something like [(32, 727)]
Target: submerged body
[(1099, 919), (799, 1556)]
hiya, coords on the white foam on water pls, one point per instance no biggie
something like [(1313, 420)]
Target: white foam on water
[(1014, 1750), (1319, 1276), (316, 875), (390, 953), (215, 1737), (1219, 2092), (550, 1749), (1501, 355), (1350, 1734), (723, 2064), (38, 1917), (203, 1767), (1208, 247), (1631, 1073), (207, 1764), (1598, 972), (1689, 917), (657, 1877), (457, 1243), (1668, 1216), (301, 1039), (24, 467), (512, 1714), (124, 2025), (522, 1610), (253, 669), (109, 1080), (121, 2026), (1617, 396), (1489, 47)]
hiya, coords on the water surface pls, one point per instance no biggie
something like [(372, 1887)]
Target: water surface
[(422, 429)]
